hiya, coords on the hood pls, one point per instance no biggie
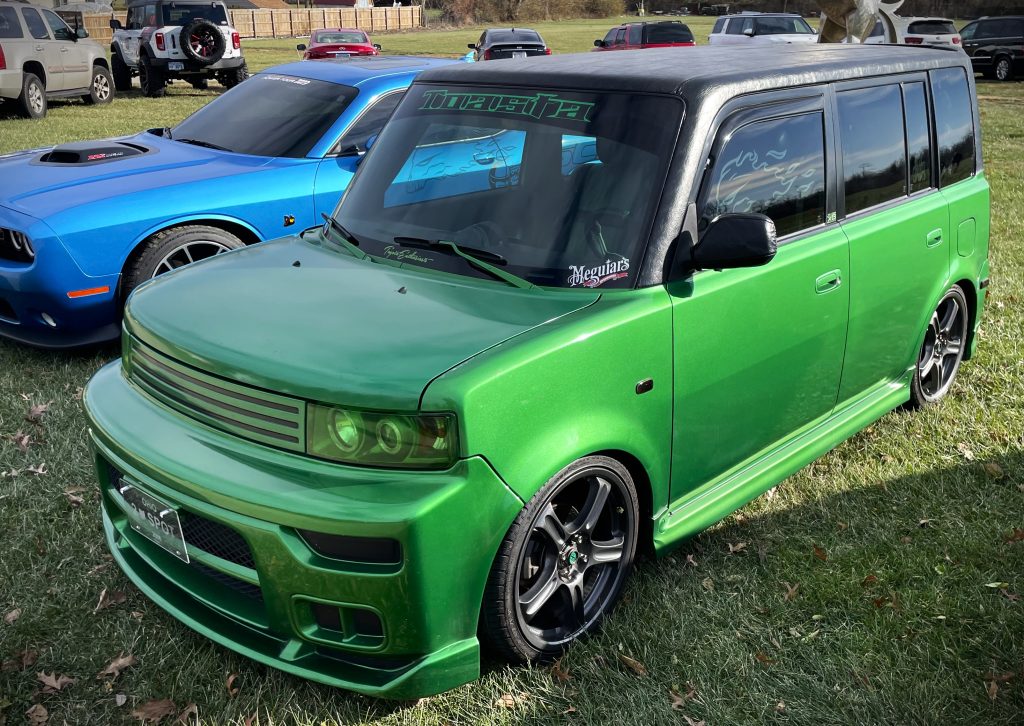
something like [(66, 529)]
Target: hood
[(303, 320), (43, 183)]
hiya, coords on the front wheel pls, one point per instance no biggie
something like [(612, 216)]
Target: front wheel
[(1004, 69), (121, 72), (945, 341), (101, 90), (170, 249), (564, 561)]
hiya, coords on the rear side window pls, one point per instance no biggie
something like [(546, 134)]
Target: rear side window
[(370, 123), (635, 36), (932, 27), (954, 124), (668, 33), (719, 26), (873, 146), (738, 25), (10, 26), (919, 143), (774, 167), (35, 24)]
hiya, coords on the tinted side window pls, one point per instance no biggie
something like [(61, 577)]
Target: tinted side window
[(610, 38), (60, 29), (954, 124), (635, 34), (774, 167), (10, 26), (620, 36), (719, 26), (919, 142), (371, 122), (35, 24), (737, 25), (874, 148)]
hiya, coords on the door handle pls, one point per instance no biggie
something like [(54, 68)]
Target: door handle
[(934, 238), (63, 50), (39, 47), (828, 282)]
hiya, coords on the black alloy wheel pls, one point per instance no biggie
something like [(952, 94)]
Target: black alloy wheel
[(563, 563)]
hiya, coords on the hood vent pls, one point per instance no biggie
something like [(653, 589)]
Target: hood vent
[(86, 153)]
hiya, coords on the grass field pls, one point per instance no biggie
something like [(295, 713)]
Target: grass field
[(882, 584)]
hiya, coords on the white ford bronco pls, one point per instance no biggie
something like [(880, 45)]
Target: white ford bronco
[(167, 39)]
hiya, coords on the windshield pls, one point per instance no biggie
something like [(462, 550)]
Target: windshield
[(556, 187), (336, 37), (668, 33), (268, 115), (185, 13), (782, 26)]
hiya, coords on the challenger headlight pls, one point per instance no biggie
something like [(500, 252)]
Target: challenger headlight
[(16, 246), (421, 441)]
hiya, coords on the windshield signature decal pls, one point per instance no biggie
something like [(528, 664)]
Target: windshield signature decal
[(405, 255), (539, 105)]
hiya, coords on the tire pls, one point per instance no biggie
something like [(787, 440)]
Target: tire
[(152, 80), (32, 101), (945, 341), (173, 248), (121, 72), (1003, 69), (101, 90), (231, 78), (200, 84), (563, 600), (201, 41)]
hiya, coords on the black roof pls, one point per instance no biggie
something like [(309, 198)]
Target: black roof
[(691, 71)]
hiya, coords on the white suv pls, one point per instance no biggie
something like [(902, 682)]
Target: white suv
[(41, 58), (761, 28), (939, 32), (167, 39)]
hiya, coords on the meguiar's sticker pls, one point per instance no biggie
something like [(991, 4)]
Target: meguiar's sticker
[(582, 276), (539, 105), (286, 79)]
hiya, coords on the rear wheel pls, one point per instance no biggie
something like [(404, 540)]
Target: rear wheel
[(121, 72), (32, 101), (1003, 70), (152, 79), (174, 248), (200, 84), (943, 348), (231, 78), (564, 561), (101, 90)]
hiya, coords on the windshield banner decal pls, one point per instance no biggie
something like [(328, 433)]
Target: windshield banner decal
[(539, 105), (597, 276)]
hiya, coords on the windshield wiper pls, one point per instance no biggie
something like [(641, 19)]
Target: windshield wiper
[(345, 238), (205, 144), (477, 258)]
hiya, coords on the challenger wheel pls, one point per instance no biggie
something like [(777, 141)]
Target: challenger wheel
[(202, 42), (152, 79), (101, 89), (121, 72), (563, 563), (945, 341), (174, 248), (32, 101)]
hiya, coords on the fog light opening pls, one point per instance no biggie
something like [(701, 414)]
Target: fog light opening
[(48, 320)]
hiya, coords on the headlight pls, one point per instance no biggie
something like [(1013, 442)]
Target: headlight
[(16, 246), (424, 441)]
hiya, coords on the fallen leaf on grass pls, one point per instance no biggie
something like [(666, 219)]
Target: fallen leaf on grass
[(691, 722), (74, 496), (994, 470), (35, 413), (869, 580), (510, 701), (791, 591), (39, 470), (37, 715), (997, 585), (925, 522), (53, 682), (679, 700), (117, 665), (1011, 596), (708, 584), (965, 451), (559, 673), (763, 659), (252, 718), (633, 664), (1001, 677), (22, 660), (230, 685), (186, 716), (10, 617), (691, 561), (820, 553), (120, 699), (737, 548), (22, 441), (155, 711), (780, 707), (906, 540), (992, 690), (1017, 535), (109, 598)]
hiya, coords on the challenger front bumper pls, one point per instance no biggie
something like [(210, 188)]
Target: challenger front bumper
[(406, 624)]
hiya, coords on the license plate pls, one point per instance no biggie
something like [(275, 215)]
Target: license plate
[(175, 66), (519, 54), (155, 520)]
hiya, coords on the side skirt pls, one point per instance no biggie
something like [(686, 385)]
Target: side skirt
[(724, 495)]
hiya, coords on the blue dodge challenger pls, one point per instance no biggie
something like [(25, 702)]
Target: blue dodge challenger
[(83, 224)]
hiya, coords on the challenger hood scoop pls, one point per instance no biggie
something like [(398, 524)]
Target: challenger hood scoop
[(86, 153)]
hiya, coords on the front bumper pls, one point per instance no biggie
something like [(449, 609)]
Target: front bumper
[(447, 526)]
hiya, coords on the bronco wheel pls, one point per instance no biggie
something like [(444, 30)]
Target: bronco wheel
[(231, 78), (202, 41), (101, 90), (32, 101), (942, 351), (152, 80), (563, 563), (1004, 69), (176, 247), (121, 72)]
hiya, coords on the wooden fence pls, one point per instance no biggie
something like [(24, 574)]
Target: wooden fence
[(291, 23)]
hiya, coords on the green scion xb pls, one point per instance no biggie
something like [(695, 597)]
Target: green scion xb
[(572, 310)]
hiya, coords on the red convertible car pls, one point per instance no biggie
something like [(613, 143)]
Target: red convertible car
[(337, 43)]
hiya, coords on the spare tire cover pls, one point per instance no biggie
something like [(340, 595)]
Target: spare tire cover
[(202, 41)]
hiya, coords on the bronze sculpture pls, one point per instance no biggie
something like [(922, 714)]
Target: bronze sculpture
[(853, 20)]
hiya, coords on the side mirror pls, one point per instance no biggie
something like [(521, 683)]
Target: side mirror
[(599, 44), (115, 24), (300, 47), (749, 32), (471, 46), (736, 240), (81, 33), (376, 46)]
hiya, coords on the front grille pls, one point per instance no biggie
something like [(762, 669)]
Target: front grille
[(216, 539), (247, 589), (221, 404)]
